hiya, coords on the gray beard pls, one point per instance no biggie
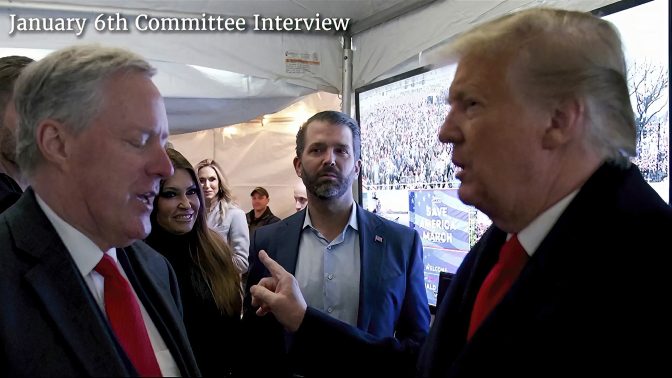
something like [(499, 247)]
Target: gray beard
[(327, 190), (330, 190)]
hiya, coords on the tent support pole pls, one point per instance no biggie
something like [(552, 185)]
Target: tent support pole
[(346, 104), (346, 92)]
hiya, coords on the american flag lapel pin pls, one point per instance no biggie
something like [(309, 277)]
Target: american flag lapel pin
[(378, 239)]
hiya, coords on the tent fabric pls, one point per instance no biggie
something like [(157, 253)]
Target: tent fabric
[(257, 80), (257, 153), (215, 79), (396, 46), (259, 54), (184, 119), (252, 67)]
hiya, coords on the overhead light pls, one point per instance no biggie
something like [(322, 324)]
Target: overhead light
[(218, 75)]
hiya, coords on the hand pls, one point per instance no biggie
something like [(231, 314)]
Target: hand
[(279, 294)]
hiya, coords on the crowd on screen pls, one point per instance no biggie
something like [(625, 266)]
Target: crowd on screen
[(400, 149)]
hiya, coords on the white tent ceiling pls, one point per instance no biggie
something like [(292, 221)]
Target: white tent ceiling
[(257, 153), (213, 79)]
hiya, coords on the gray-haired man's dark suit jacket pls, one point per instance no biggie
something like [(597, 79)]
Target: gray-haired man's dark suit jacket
[(50, 323)]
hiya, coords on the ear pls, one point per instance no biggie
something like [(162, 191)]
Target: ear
[(51, 140), (297, 166), (565, 124), (358, 167)]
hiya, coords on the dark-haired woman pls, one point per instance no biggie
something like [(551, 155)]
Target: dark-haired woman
[(209, 282)]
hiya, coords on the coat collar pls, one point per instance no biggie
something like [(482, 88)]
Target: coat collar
[(290, 229)]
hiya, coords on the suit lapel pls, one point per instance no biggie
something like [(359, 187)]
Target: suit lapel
[(288, 242), (166, 320), (486, 255), (63, 292), (546, 269), (372, 241)]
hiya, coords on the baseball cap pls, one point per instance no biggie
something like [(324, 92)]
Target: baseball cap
[(261, 191)]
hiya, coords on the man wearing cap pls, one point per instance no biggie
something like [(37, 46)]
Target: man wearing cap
[(261, 214)]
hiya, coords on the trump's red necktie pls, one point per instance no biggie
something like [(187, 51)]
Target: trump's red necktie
[(512, 259), (123, 313)]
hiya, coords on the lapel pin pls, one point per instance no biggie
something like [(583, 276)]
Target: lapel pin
[(378, 239)]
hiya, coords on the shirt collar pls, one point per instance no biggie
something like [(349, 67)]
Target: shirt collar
[(531, 236), (84, 252), (352, 221)]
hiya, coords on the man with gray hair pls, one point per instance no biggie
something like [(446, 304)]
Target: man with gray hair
[(572, 276), (11, 179), (81, 295)]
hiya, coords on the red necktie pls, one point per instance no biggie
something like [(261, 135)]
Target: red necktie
[(123, 313), (512, 259)]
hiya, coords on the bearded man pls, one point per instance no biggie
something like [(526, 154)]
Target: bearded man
[(353, 266)]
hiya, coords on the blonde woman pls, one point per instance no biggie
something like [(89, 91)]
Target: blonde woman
[(224, 216)]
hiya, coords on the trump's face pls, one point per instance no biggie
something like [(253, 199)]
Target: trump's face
[(496, 137), (115, 165)]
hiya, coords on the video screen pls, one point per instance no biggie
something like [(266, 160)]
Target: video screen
[(645, 32), (407, 174)]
